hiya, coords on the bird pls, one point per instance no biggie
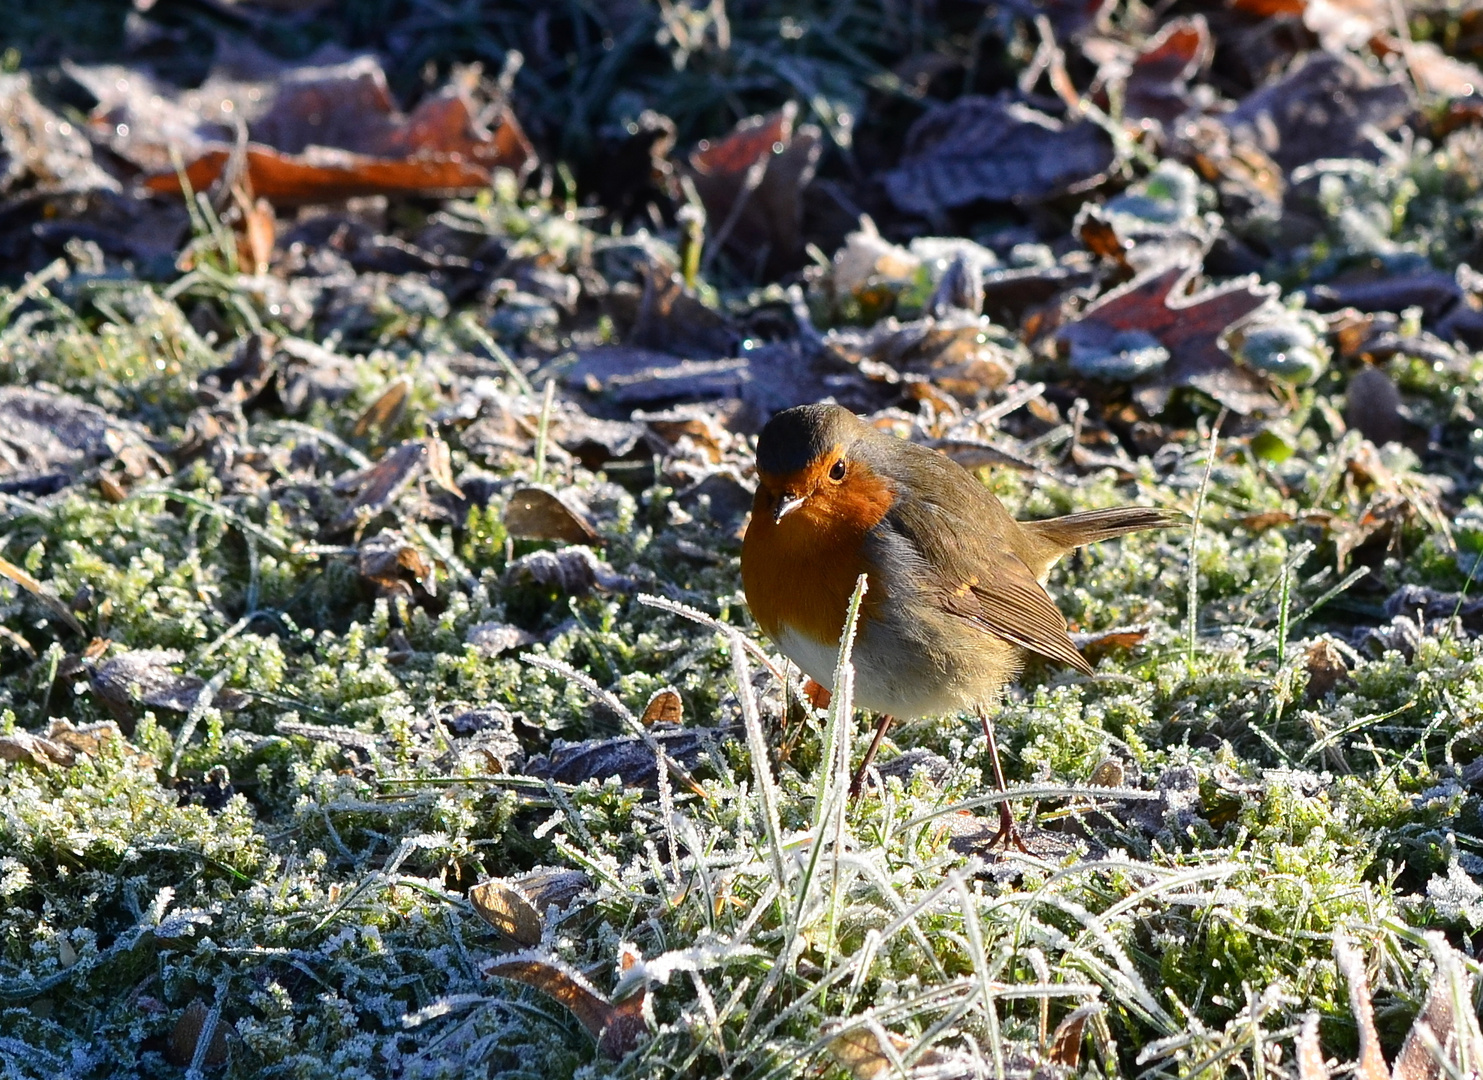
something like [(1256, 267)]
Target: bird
[(955, 598)]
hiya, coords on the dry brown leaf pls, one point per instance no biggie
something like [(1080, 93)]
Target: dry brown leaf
[(1157, 307), (43, 753), (1157, 86), (185, 1037), (379, 485), (1326, 668), (616, 1027), (317, 134), (664, 707), (1371, 1063), (1326, 108), (387, 560), (505, 908), (534, 513), (1065, 1045), (1445, 1039), (384, 411), (997, 149), (871, 1052), (440, 466), (751, 182)]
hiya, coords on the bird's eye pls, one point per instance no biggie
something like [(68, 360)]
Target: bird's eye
[(837, 472)]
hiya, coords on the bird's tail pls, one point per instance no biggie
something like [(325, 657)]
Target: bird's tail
[(1075, 530)]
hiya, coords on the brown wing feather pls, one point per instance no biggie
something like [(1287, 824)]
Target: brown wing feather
[(977, 571), (1018, 609)]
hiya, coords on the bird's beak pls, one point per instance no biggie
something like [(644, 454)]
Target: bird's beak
[(788, 501)]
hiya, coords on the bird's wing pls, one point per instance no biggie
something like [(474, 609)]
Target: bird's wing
[(973, 566)]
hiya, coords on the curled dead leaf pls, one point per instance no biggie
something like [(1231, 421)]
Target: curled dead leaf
[(43, 753), (1065, 1045), (574, 570), (379, 485), (388, 561), (751, 182), (617, 1027)]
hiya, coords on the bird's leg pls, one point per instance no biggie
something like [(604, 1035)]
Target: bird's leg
[(858, 780), (1007, 832)]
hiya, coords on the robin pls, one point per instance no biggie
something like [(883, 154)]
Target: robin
[(955, 596)]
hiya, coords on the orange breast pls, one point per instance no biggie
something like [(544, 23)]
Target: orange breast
[(800, 572)]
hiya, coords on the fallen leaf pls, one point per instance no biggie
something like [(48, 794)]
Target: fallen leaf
[(553, 886), (1065, 1045), (39, 751), (1155, 79), (387, 560), (751, 182), (997, 149), (533, 513), (49, 440), (494, 638), (1326, 668), (1097, 645), (1156, 308), (665, 317), (664, 707), (42, 153), (185, 1038), (1445, 1039), (870, 1052), (384, 411), (628, 757), (1433, 71), (616, 1026), (574, 571), (316, 134), (1325, 108), (143, 677), (816, 694), (379, 485), (506, 909)]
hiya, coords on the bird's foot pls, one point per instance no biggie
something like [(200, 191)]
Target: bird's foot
[(1007, 834)]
